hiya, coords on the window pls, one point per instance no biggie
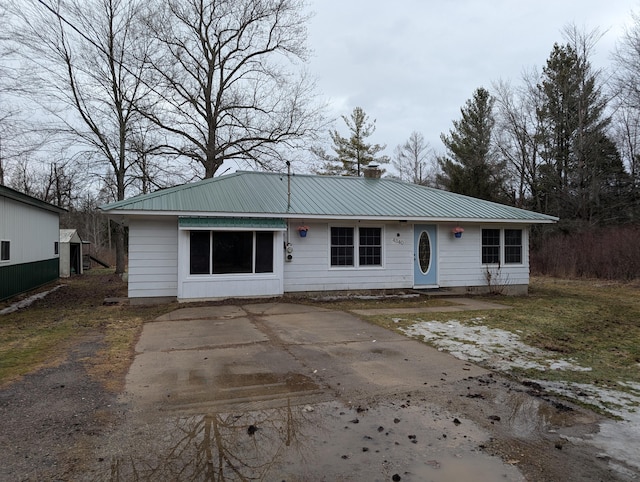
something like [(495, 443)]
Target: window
[(200, 252), (492, 241), (345, 243), (370, 247), (5, 250), (232, 252), (341, 246), (228, 252), (513, 246), (264, 252), (490, 246)]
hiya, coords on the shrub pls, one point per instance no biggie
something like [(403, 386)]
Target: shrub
[(606, 252)]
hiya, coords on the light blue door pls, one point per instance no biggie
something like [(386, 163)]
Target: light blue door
[(425, 269)]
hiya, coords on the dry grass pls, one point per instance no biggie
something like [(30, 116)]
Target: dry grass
[(596, 323), (42, 334)]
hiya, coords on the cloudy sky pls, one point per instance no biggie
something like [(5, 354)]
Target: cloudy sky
[(411, 64)]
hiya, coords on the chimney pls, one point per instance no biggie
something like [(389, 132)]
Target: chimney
[(372, 171)]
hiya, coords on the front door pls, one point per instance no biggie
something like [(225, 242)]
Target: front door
[(425, 255)]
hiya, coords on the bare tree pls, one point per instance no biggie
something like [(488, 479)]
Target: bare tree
[(626, 85), (86, 77), (415, 161), (228, 79), (518, 138)]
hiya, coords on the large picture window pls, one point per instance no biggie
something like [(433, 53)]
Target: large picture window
[(346, 242), (493, 241), (229, 252)]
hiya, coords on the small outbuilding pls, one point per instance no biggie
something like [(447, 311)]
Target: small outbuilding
[(29, 242), (71, 253), (265, 234)]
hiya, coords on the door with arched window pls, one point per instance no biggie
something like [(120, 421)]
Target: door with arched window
[(425, 271)]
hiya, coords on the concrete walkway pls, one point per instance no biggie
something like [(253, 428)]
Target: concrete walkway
[(461, 304)]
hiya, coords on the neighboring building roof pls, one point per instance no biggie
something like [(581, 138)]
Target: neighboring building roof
[(23, 198), (69, 235), (260, 194)]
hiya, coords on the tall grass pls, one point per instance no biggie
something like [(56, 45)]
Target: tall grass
[(611, 253)]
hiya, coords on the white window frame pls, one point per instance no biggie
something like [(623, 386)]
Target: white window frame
[(7, 260), (502, 247), (356, 248)]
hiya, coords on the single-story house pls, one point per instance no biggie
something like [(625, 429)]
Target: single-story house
[(29, 242), (252, 234), (71, 256)]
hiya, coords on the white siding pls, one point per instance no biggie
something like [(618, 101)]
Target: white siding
[(31, 231), (230, 285), (159, 262), (310, 269), (460, 259), (153, 257)]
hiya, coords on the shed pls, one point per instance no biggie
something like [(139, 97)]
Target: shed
[(265, 234), (29, 242), (71, 253)]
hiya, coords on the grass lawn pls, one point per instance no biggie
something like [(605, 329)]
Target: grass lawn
[(41, 335), (595, 323)]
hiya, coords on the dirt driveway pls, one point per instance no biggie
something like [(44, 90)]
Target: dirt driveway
[(279, 391)]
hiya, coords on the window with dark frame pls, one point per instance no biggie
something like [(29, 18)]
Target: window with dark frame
[(370, 246), (342, 246), (490, 246), (513, 246), (230, 252), (5, 250)]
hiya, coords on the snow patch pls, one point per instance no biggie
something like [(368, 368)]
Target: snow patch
[(499, 349)]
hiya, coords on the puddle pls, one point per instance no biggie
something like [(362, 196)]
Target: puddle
[(325, 441), (503, 350)]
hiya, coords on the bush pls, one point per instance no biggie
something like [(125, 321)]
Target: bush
[(608, 253)]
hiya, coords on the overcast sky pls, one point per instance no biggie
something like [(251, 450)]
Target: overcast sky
[(411, 64)]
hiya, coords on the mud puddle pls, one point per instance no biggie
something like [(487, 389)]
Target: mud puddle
[(394, 440)]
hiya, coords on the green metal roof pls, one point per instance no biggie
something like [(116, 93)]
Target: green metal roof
[(260, 194)]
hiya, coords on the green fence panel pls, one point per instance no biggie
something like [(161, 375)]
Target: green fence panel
[(19, 278)]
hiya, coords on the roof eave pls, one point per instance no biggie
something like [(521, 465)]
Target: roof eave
[(398, 218)]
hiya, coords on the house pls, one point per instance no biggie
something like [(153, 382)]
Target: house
[(29, 242), (71, 256), (266, 234)]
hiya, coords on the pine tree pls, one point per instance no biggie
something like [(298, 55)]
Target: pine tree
[(470, 167), (581, 167), (353, 154)]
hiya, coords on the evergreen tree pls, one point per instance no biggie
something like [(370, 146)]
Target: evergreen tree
[(580, 162), (470, 166), (352, 154)]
